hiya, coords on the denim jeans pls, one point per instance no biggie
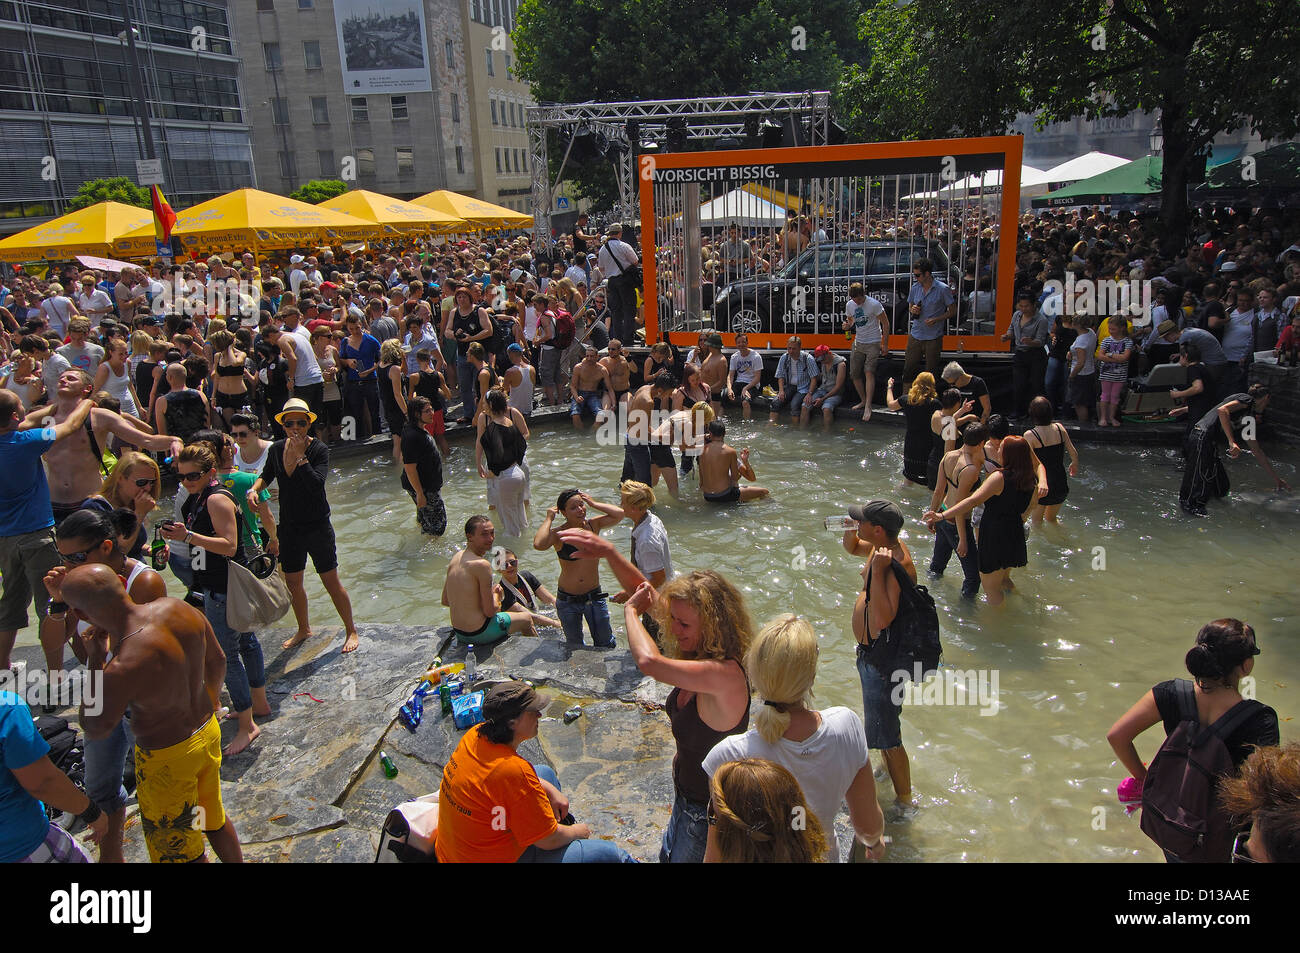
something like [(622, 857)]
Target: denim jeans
[(1055, 384), (361, 403), (879, 712), (244, 667), (181, 567), (687, 834), (105, 760), (590, 851), (945, 544), (465, 380), (595, 611)]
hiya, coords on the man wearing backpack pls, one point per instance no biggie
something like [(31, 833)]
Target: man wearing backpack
[(618, 261), (1210, 730), (875, 611)]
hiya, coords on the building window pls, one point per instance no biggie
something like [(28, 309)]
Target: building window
[(311, 54), (360, 111), (271, 55), (405, 161), (460, 159), (455, 107), (476, 11), (488, 53), (280, 111), (509, 75), (288, 167), (451, 59), (264, 5), (366, 163), (320, 111), (326, 158), (498, 152), (399, 107), (304, 4), (494, 111)]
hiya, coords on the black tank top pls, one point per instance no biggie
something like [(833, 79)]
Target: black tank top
[(503, 447), (469, 323), (428, 387), (695, 740), (215, 573)]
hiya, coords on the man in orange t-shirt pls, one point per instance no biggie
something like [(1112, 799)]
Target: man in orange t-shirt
[(495, 807)]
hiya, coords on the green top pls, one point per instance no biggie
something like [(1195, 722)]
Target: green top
[(239, 483)]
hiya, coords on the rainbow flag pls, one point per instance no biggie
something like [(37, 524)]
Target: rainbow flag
[(163, 216)]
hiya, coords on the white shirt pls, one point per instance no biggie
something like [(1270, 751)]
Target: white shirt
[(97, 299), (58, 312), (748, 367), (824, 764), (576, 274), (616, 257), (866, 319), (296, 277), (254, 466), (650, 543)]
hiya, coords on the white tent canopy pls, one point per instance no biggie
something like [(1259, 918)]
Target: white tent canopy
[(741, 208), (1030, 177), (1083, 167)]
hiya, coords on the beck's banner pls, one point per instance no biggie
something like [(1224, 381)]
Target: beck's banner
[(382, 46)]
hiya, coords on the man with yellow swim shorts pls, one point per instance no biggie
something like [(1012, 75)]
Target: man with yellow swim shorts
[(162, 661)]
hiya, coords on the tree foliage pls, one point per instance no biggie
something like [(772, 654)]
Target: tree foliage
[(118, 189), (319, 190), (968, 67), (611, 50)]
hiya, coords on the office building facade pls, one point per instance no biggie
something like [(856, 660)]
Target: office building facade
[(66, 112)]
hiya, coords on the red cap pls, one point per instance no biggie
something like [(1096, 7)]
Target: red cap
[(319, 323), (820, 350), (330, 285)]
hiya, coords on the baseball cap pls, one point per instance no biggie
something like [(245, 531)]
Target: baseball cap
[(150, 321), (510, 700), (330, 285), (1166, 327), (515, 347), (879, 513), (820, 350), (295, 259), (1228, 266)]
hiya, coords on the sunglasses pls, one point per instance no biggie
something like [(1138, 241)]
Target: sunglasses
[(511, 563), (191, 476), (1240, 855), (76, 559), (240, 434), (295, 423), (144, 483)]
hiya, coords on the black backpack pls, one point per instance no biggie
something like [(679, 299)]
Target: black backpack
[(912, 639), (66, 750), (503, 333), (1180, 809)]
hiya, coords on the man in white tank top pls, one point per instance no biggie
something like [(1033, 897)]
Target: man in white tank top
[(519, 379)]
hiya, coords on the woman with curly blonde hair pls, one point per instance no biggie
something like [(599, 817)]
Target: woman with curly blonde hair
[(918, 406), (757, 815)]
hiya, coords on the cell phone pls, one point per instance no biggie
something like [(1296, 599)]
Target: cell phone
[(167, 524)]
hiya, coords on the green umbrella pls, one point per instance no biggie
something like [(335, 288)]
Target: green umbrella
[(1137, 179), (1276, 168)]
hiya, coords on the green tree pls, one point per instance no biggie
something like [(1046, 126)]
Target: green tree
[(968, 67), (319, 190), (611, 50), (119, 189)]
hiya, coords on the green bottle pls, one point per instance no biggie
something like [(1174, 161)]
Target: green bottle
[(390, 769), (444, 692)]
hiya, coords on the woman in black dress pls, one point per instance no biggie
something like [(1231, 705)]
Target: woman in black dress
[(918, 406), (1050, 443), (1006, 495), (392, 359), (422, 467)]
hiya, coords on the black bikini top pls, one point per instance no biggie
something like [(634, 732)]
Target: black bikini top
[(568, 551)]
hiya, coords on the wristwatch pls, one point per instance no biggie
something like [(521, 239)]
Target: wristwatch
[(90, 814)]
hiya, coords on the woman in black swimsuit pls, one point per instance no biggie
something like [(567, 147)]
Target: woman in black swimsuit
[(485, 377), (230, 376), (945, 426), (660, 359), (579, 595), (1051, 443)]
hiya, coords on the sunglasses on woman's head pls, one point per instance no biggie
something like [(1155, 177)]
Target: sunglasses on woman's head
[(76, 559)]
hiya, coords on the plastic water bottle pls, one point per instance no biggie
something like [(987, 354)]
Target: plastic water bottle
[(471, 666), (840, 524)]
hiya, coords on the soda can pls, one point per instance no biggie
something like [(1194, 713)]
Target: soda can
[(457, 686)]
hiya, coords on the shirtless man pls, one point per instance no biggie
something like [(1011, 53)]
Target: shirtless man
[(72, 465), (589, 376), (619, 370), (721, 468), (959, 471), (638, 453), (167, 668), (473, 599), (713, 369)]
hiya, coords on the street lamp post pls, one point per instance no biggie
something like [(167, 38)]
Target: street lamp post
[(139, 100)]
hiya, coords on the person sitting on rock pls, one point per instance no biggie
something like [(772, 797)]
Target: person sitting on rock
[(494, 806)]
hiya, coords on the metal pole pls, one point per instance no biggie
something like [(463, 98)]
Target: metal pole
[(137, 83)]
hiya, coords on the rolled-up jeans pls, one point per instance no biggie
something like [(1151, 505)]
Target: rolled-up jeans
[(465, 378), (245, 669), (945, 544), (590, 851), (105, 760)]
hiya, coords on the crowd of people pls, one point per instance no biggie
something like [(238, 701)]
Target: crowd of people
[(110, 390)]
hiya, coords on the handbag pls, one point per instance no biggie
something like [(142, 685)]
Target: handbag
[(252, 602)]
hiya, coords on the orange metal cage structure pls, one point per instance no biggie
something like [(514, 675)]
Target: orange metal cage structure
[(938, 163)]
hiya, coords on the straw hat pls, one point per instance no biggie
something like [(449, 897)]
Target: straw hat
[(295, 405)]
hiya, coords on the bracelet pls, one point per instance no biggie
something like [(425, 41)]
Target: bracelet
[(189, 535), (90, 814)]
